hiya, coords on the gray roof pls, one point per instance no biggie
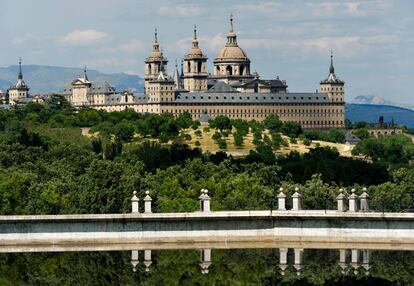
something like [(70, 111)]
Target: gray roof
[(96, 88), (221, 86), (251, 98)]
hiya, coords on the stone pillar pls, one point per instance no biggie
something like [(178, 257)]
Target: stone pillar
[(134, 260), (205, 260), (283, 260), (135, 203), (342, 260), (364, 200), (147, 203), (296, 200), (147, 260), (298, 260), (353, 201), (206, 202), (201, 198), (340, 199), (281, 198)]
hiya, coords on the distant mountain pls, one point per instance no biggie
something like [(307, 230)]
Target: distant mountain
[(371, 113), (48, 79), (373, 99)]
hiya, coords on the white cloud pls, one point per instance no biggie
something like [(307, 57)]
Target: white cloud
[(84, 37), (133, 46), (182, 10), (25, 39), (261, 7)]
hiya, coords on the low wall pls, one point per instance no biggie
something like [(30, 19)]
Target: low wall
[(199, 227)]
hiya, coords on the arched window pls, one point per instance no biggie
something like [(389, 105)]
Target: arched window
[(188, 67), (242, 70), (229, 70), (217, 70), (199, 66)]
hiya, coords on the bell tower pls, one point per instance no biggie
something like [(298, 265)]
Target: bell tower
[(195, 67), (154, 63)]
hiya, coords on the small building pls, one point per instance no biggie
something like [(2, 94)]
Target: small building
[(19, 92)]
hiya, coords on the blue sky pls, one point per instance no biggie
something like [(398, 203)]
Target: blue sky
[(373, 41)]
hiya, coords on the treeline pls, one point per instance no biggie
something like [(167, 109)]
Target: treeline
[(49, 169)]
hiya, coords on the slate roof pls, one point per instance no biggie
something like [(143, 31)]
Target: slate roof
[(251, 98), (96, 88), (221, 86)]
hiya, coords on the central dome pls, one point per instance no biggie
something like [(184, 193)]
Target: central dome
[(231, 52)]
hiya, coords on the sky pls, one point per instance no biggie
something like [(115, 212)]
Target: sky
[(372, 40)]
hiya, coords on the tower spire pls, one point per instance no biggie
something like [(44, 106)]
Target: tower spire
[(331, 68), (20, 76), (155, 45), (85, 75), (231, 36), (195, 40)]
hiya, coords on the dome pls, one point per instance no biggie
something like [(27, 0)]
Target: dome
[(195, 52), (231, 52), (156, 55)]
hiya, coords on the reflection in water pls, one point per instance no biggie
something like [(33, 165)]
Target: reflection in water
[(211, 266)]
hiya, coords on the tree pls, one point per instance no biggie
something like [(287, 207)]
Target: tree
[(221, 122), (291, 129), (238, 139), (184, 120), (273, 123)]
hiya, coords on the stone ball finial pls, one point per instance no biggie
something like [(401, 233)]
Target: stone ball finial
[(352, 190), (281, 189), (296, 189), (134, 193), (147, 192), (341, 190), (205, 191), (364, 189)]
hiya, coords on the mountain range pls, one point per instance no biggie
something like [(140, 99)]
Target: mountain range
[(49, 79), (376, 100), (371, 113)]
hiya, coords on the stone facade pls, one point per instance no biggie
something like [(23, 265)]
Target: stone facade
[(231, 90)]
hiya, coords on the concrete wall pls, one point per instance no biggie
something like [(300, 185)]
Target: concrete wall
[(304, 226)]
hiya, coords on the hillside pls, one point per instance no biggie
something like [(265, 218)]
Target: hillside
[(47, 79), (371, 113)]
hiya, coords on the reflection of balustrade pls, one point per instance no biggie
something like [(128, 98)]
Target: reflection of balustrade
[(147, 260), (298, 260), (205, 260), (283, 260), (134, 259)]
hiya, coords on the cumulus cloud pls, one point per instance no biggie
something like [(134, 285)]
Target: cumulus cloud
[(84, 37), (182, 10)]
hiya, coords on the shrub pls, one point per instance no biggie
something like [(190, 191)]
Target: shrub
[(216, 136), (197, 143), (306, 142), (238, 140), (222, 144), (206, 129), (198, 133)]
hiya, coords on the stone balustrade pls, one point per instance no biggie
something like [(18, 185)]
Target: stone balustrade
[(354, 201)]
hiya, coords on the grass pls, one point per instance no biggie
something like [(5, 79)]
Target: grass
[(208, 144)]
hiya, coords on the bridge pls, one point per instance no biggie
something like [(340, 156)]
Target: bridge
[(343, 225)]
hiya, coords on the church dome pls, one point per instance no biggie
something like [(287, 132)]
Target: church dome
[(231, 52)]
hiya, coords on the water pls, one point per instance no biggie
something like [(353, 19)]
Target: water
[(207, 265)]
